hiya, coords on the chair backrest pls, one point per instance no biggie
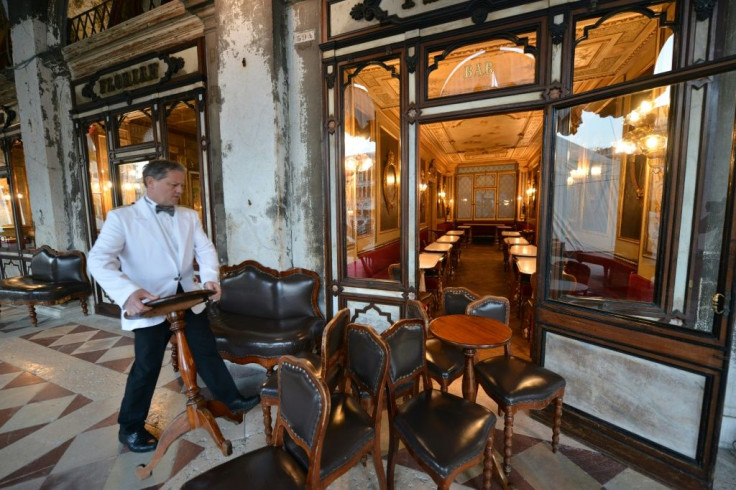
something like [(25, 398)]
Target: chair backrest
[(579, 270), (415, 309), (366, 366), (333, 348), (252, 289), (394, 272), (495, 307), (49, 265), (456, 299), (304, 408), (408, 366)]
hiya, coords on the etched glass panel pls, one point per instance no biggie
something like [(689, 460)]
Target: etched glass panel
[(603, 47), (478, 67), (485, 204)]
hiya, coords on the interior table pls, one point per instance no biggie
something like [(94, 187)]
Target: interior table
[(510, 233), (199, 412), (523, 250), (515, 240), (470, 333), (447, 238), (456, 232), (429, 261)]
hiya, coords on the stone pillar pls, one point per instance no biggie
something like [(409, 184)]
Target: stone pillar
[(44, 99), (253, 138)]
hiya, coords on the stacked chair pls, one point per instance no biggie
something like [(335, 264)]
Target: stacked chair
[(329, 364), (421, 419), (302, 420), (515, 384)]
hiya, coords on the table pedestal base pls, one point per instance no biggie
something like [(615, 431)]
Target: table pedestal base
[(199, 412)]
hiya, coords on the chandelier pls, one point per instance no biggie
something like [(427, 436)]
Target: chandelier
[(647, 134)]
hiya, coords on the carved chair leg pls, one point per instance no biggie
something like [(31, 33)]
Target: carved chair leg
[(488, 462), (32, 313), (83, 303), (266, 407), (508, 436), (393, 449), (556, 424)]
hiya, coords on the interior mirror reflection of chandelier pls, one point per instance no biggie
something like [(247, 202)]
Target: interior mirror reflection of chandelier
[(359, 153), (647, 135)]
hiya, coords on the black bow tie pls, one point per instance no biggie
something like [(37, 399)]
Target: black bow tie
[(165, 209)]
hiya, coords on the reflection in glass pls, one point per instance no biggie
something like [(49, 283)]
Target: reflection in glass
[(372, 171), (609, 175), (130, 177), (603, 46), (99, 173), (135, 127), (181, 131), (478, 67), (16, 215)]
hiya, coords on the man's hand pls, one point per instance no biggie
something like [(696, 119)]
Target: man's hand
[(214, 286), (134, 304)]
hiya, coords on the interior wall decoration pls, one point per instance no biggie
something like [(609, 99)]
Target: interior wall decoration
[(390, 172)]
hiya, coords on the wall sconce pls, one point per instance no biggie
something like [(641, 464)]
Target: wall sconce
[(358, 153), (422, 187), (646, 135)]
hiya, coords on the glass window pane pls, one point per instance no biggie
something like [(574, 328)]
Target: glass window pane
[(478, 67), (609, 176), (21, 197), (181, 132), (604, 45), (99, 173), (372, 170), (130, 177), (7, 235), (135, 127)]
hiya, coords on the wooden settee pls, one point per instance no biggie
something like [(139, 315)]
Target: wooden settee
[(264, 314), (55, 278)]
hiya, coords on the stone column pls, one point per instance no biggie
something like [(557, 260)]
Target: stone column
[(44, 99)]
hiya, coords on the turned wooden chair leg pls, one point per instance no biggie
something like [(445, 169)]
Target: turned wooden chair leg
[(267, 422), (488, 463), (32, 313), (83, 302), (508, 437), (556, 424)]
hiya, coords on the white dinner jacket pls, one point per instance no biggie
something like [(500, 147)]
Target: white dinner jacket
[(132, 252)]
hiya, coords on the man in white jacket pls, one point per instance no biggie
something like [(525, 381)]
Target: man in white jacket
[(146, 251)]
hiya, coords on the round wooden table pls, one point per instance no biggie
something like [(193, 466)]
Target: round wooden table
[(471, 333), (199, 412)]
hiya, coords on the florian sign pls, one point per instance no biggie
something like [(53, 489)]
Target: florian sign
[(124, 83)]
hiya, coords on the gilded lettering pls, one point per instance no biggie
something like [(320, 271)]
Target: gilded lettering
[(489, 67), (126, 79), (468, 71), (118, 81)]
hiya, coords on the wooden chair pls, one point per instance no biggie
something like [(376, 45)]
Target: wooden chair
[(515, 384), (352, 430), (304, 408), (446, 363), (444, 433), (527, 311), (329, 365)]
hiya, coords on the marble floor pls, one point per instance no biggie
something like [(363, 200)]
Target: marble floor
[(60, 389)]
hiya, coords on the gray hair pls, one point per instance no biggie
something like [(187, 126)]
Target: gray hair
[(159, 169)]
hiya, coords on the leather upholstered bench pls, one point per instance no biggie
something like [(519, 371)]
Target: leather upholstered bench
[(56, 277), (264, 314)]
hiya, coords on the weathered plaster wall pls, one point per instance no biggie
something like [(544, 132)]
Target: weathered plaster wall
[(305, 166), (269, 98), (52, 165), (253, 140)]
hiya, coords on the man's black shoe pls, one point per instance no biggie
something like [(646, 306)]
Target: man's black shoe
[(243, 405), (140, 441)]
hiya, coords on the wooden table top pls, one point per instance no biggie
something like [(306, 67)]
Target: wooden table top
[(470, 331), (526, 265), (448, 239), (510, 233), (438, 247), (515, 240), (429, 261), (455, 232), (523, 250)]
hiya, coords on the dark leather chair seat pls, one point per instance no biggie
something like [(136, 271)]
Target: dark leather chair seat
[(516, 381), (423, 423), (444, 362), (270, 387), (278, 469), (55, 278), (270, 338)]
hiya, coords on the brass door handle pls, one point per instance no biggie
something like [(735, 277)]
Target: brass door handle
[(717, 303)]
